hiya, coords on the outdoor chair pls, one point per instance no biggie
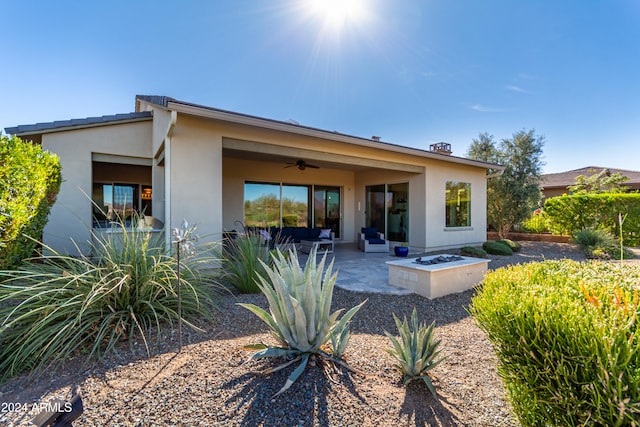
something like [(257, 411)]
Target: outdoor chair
[(371, 240)]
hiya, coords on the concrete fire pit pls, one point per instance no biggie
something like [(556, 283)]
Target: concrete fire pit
[(437, 275)]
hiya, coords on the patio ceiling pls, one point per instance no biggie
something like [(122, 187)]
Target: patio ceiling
[(249, 150)]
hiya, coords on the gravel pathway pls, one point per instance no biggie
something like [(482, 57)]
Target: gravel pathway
[(209, 383)]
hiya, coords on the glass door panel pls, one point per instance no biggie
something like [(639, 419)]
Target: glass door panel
[(295, 205), (375, 210), (261, 205), (326, 208), (398, 212)]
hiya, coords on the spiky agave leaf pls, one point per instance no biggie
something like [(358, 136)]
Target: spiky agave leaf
[(416, 350), (299, 311)]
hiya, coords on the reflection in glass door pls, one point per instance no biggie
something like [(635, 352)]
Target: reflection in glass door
[(375, 210), (398, 212), (326, 208), (388, 210)]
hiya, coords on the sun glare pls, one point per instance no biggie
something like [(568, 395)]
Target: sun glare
[(338, 12)]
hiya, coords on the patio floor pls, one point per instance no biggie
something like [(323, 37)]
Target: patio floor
[(362, 272)]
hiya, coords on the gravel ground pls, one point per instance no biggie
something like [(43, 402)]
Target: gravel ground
[(209, 383)]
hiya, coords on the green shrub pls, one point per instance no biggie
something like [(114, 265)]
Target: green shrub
[(497, 248), (299, 314), (416, 351), (29, 183), (568, 214), (565, 335), (591, 237), (58, 305), (600, 244), (473, 252), (241, 261), (514, 246)]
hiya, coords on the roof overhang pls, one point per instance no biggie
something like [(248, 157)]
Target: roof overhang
[(282, 126), (75, 124)]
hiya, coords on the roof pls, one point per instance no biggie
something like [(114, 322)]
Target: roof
[(231, 116), (564, 179), (77, 123)]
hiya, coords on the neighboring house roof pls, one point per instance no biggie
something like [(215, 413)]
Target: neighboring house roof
[(59, 125), (564, 179)]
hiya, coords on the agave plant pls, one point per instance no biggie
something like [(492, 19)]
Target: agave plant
[(299, 314), (416, 351)]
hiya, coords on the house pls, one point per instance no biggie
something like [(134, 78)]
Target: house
[(176, 160), (556, 184)]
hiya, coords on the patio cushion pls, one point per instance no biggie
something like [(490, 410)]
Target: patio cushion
[(376, 241), (314, 232), (370, 232), (300, 233), (325, 233)]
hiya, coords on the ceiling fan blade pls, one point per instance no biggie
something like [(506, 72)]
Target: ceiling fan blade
[(312, 166)]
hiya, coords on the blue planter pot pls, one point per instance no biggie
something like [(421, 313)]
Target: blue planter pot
[(401, 251)]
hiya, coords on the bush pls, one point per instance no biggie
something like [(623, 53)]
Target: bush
[(58, 305), (29, 183), (590, 237), (565, 336), (497, 248), (244, 259), (599, 244), (568, 214), (299, 314), (473, 252), (514, 246)]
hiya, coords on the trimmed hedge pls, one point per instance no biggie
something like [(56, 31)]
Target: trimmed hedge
[(568, 214), (565, 335), (472, 251), (514, 246), (29, 183), (497, 248)]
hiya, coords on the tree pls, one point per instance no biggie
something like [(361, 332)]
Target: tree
[(600, 182), (512, 196)]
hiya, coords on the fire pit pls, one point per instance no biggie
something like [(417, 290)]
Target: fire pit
[(440, 259), (437, 275)]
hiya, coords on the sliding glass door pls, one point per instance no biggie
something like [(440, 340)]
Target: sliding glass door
[(326, 208), (387, 209)]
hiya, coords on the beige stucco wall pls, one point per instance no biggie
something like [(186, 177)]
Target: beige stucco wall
[(427, 229), (71, 216), (206, 188), (201, 186), (195, 176)]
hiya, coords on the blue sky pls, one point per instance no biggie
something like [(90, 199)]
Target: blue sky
[(414, 72)]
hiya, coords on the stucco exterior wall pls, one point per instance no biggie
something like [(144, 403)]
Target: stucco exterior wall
[(195, 177), (71, 216), (427, 229), (437, 235)]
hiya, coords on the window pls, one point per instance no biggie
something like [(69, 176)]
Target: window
[(119, 191), (458, 204), (291, 205), (270, 205)]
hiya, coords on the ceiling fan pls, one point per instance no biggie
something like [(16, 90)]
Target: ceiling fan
[(302, 165)]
